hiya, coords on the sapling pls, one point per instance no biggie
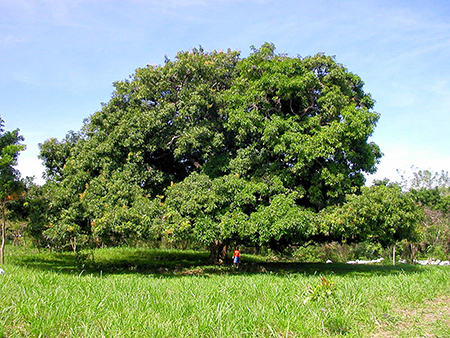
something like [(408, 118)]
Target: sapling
[(321, 292)]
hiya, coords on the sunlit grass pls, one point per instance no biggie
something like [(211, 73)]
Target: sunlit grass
[(154, 293)]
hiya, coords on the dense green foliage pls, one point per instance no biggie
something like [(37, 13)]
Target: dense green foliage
[(380, 214), (431, 191), (10, 183), (213, 147)]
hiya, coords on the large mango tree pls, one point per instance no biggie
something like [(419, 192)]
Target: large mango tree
[(217, 148)]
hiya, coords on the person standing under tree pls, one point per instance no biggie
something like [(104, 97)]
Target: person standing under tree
[(236, 257)]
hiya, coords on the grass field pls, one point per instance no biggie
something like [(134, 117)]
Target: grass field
[(126, 292)]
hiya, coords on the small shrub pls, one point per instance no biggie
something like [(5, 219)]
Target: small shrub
[(322, 291)]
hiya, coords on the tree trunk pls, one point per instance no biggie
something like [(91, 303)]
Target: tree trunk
[(2, 248), (217, 252), (73, 244), (414, 250), (393, 255)]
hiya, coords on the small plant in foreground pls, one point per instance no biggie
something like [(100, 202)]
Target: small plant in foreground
[(321, 292)]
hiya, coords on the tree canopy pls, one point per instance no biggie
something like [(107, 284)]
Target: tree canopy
[(380, 214), (215, 147), (10, 184)]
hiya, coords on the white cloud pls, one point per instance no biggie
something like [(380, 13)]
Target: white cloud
[(405, 159), (31, 166)]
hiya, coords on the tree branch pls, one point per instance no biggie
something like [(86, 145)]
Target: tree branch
[(173, 139)]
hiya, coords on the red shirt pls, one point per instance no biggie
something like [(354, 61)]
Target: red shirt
[(237, 253)]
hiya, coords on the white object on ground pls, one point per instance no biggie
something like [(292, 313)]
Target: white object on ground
[(379, 260)]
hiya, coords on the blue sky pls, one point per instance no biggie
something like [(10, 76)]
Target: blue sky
[(59, 59)]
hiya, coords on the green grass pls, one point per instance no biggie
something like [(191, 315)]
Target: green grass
[(154, 293)]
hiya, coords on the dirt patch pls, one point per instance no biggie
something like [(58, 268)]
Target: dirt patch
[(430, 319)]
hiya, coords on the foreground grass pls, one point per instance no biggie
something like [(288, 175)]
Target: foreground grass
[(147, 293)]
